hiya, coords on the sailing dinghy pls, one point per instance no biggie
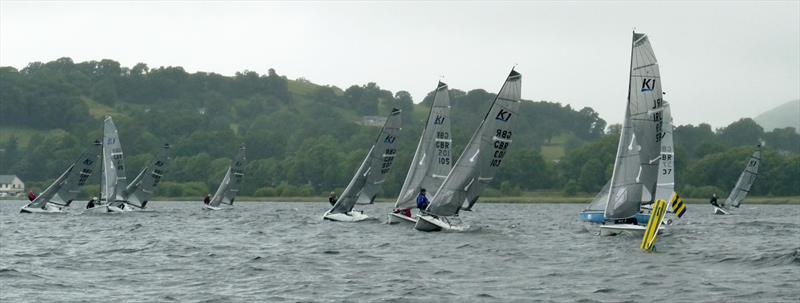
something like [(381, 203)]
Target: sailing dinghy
[(365, 184), (643, 169), (66, 187), (743, 185), (477, 165), (139, 191), (432, 160), (116, 195), (230, 184)]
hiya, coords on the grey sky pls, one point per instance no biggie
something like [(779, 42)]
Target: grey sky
[(719, 60)]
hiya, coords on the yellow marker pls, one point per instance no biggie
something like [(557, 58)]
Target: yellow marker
[(653, 224)]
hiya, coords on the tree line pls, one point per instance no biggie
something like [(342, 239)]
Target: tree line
[(305, 139)]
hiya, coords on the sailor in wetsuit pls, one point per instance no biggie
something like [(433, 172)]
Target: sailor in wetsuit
[(714, 200), (332, 198), (422, 200), (91, 203)]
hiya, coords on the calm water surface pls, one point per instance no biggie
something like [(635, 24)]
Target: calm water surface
[(284, 252)]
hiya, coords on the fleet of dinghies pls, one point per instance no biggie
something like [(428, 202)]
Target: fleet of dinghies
[(478, 163), (638, 198), (116, 194)]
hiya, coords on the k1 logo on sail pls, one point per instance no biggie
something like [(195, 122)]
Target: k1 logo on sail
[(648, 85), (503, 115)]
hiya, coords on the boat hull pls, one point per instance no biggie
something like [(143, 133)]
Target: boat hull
[(431, 223), (352, 216), (395, 218), (49, 209), (720, 211), (616, 229), (209, 207), (598, 217)]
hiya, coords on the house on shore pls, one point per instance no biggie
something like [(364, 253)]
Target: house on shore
[(11, 185)]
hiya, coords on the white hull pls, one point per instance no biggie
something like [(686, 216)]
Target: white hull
[(616, 229), (48, 209), (353, 216), (101, 209), (430, 223), (395, 218), (720, 211), (209, 207)]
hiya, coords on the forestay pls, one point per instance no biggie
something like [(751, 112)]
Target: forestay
[(432, 160), (484, 154), (113, 181), (232, 181), (142, 187), (746, 180), (67, 186), (372, 172)]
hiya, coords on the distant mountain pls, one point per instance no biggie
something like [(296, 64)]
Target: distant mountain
[(784, 115)]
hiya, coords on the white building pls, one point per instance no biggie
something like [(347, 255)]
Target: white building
[(11, 185)]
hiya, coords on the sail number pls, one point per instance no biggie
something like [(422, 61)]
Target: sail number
[(388, 158), (501, 142), (658, 119), (443, 147)]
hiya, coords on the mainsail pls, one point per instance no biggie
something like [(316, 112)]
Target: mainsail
[(232, 181), (482, 157), (67, 186), (372, 172), (645, 101), (113, 181), (746, 180), (432, 160), (636, 166), (142, 187)]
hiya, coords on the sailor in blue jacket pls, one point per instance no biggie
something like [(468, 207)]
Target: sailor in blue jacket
[(422, 200)]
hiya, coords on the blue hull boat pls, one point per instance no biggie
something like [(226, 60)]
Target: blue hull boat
[(597, 217)]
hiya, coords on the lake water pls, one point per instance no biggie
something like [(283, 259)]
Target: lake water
[(284, 252)]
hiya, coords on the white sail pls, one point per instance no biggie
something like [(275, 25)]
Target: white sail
[(232, 182), (746, 180), (113, 181), (432, 160), (478, 164), (636, 166), (142, 187), (371, 174), (67, 186)]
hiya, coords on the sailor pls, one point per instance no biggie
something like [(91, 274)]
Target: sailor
[(207, 199), (714, 200), (422, 200), (31, 195), (91, 203), (332, 198)]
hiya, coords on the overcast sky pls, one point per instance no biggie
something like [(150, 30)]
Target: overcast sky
[(720, 60)]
